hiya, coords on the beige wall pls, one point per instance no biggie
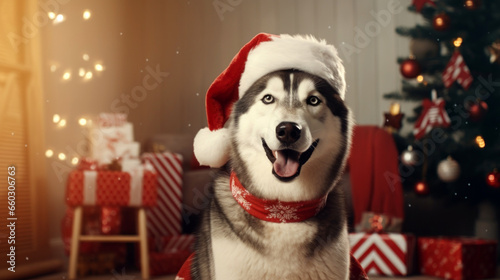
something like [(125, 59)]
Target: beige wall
[(193, 41)]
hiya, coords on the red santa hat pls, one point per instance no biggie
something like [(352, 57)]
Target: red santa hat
[(264, 54)]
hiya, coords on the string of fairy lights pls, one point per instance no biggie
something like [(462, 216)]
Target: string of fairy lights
[(85, 72)]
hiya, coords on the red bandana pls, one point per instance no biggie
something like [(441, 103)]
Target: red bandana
[(274, 210)]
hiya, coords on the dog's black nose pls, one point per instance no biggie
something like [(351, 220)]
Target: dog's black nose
[(288, 132)]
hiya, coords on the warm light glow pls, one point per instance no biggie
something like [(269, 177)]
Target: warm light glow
[(395, 109), (458, 42), (59, 18), (99, 67), (469, 3), (56, 118), (62, 123), (61, 156), (67, 76), (85, 57), (53, 68), (49, 153), (86, 14), (420, 78), (480, 142), (491, 178), (82, 121), (88, 75), (52, 15), (74, 161), (81, 72)]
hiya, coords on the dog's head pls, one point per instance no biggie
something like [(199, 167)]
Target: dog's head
[(289, 130), (290, 133)]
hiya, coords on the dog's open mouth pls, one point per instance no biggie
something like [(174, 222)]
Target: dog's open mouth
[(287, 162)]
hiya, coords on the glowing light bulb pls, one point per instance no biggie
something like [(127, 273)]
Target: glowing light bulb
[(62, 123), (74, 161), (59, 18), (85, 57), (86, 14), (81, 72), (88, 75), (67, 76), (56, 118), (82, 121), (99, 67), (458, 42), (61, 156), (420, 78), (53, 68), (480, 141), (51, 15), (49, 153)]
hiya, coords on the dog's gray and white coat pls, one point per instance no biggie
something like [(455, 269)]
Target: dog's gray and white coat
[(232, 244)]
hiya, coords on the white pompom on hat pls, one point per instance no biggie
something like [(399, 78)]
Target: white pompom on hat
[(264, 54)]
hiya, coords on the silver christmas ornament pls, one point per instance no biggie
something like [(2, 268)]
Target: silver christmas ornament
[(448, 170), (409, 157)]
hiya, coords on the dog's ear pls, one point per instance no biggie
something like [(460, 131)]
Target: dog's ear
[(212, 147)]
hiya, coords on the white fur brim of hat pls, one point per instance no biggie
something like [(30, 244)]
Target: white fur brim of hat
[(304, 53), (282, 52)]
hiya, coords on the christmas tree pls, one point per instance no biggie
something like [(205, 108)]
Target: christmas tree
[(453, 73)]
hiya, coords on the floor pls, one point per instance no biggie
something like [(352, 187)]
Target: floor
[(136, 276)]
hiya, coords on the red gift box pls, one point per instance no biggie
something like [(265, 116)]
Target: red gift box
[(168, 253), (383, 254), (110, 188), (167, 263), (165, 218), (457, 258)]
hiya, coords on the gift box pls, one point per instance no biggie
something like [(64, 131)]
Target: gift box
[(172, 244), (167, 263), (388, 254), (457, 258), (379, 223), (111, 188), (165, 218), (168, 253)]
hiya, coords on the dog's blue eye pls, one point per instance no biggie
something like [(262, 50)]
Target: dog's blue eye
[(268, 99), (313, 100)]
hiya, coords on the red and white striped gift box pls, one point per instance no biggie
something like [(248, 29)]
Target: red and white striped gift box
[(172, 244), (165, 218), (383, 254)]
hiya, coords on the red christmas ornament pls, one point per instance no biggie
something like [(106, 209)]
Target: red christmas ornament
[(457, 70), (477, 111), (472, 4), (493, 179), (421, 188), (419, 4), (410, 68), (441, 22), (433, 115)]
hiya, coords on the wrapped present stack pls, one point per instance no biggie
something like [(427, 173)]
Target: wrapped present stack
[(380, 252), (111, 178), (168, 247)]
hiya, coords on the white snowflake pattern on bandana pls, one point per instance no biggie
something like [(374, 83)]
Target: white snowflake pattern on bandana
[(282, 212), (240, 195)]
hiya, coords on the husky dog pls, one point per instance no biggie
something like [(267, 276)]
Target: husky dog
[(289, 138)]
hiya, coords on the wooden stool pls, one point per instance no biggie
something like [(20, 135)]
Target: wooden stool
[(110, 188), (141, 237)]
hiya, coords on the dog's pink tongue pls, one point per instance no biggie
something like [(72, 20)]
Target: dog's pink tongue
[(286, 164)]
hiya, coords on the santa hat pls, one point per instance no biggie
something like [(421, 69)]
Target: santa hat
[(264, 54)]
